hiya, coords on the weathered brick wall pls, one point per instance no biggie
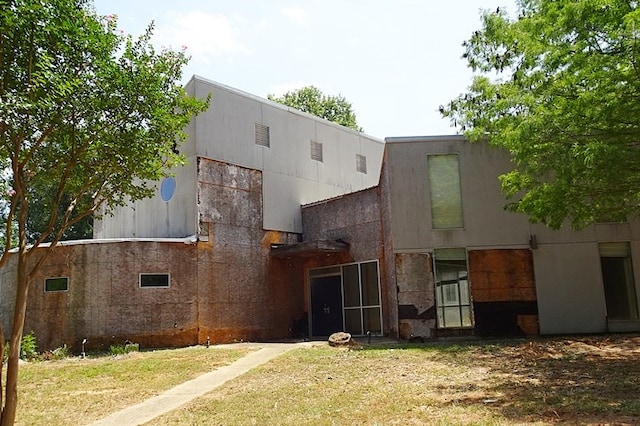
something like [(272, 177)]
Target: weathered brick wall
[(354, 218), (503, 291), (416, 296), (243, 293), (357, 219), (104, 302)]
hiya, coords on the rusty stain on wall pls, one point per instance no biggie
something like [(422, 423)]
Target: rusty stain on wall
[(503, 291)]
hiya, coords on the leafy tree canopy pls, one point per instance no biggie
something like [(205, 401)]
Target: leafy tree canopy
[(558, 87), (310, 99), (88, 116)]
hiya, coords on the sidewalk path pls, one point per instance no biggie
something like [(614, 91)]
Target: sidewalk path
[(173, 398)]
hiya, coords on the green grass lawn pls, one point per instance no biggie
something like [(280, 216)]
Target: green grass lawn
[(76, 391), (586, 380)]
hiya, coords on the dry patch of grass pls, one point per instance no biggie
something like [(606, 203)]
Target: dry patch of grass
[(78, 391), (593, 380)]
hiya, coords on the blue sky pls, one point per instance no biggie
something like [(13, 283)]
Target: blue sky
[(395, 61)]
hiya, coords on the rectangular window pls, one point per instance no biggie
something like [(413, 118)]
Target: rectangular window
[(361, 164), (262, 135), (444, 191), (154, 280), (453, 300), (56, 284), (316, 151), (617, 279)]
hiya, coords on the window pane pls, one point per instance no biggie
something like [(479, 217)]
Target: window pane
[(466, 316), (452, 317), (352, 321), (444, 189), (452, 288), (372, 320), (350, 285), (370, 294), (450, 293), (56, 284), (464, 292), (154, 280)]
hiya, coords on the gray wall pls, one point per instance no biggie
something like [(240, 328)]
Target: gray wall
[(226, 132), (567, 263)]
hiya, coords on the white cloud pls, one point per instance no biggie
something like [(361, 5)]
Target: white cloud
[(295, 14), (203, 34)]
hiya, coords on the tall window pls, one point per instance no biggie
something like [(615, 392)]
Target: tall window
[(617, 278), (453, 301), (444, 190)]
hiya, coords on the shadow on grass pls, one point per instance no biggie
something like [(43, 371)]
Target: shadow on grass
[(583, 380)]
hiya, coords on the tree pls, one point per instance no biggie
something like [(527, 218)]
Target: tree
[(88, 117), (564, 102), (310, 99)]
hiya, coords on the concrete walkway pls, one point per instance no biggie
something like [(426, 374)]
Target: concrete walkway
[(173, 398)]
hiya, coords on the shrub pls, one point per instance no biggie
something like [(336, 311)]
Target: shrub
[(123, 349), (28, 346)]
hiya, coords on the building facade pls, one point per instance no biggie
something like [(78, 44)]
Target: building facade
[(283, 225)]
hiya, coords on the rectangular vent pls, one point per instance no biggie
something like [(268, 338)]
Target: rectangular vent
[(262, 135), (154, 280), (316, 151), (361, 163)]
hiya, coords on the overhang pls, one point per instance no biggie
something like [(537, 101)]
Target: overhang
[(309, 248)]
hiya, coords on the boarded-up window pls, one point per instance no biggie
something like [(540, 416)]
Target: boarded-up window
[(444, 191)]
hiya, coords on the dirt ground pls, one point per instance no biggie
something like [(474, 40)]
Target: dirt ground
[(583, 380)]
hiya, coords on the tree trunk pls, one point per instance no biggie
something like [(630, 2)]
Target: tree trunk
[(11, 387)]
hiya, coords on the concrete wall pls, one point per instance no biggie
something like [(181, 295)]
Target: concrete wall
[(244, 293), (226, 132), (568, 279)]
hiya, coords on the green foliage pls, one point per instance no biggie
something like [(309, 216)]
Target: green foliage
[(29, 346), (563, 101), (123, 349), (89, 118), (310, 99), (89, 115)]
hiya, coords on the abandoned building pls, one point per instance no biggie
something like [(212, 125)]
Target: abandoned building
[(286, 225)]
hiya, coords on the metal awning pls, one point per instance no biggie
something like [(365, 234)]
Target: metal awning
[(309, 248)]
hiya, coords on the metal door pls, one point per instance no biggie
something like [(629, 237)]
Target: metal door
[(326, 305)]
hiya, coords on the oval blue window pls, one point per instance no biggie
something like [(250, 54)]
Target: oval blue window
[(167, 188)]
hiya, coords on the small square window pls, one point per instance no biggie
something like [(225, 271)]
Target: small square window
[(316, 151), (154, 280), (56, 284)]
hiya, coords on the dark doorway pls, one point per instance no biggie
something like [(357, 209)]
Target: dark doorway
[(326, 305), (619, 288)]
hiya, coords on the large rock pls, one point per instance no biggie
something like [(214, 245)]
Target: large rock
[(341, 339)]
